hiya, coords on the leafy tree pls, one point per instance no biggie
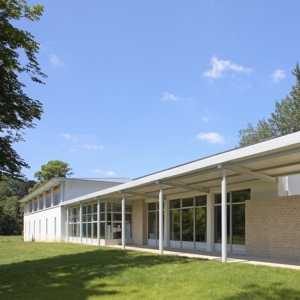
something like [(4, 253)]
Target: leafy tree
[(17, 110), (10, 209), (284, 120), (54, 168)]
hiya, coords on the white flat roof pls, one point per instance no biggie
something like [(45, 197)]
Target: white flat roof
[(266, 160)]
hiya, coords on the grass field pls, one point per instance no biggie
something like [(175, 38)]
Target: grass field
[(69, 271)]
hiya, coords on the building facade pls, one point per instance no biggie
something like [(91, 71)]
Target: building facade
[(241, 201)]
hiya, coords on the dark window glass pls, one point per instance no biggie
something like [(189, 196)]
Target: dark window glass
[(102, 230), (200, 223), (238, 224), (200, 200), (117, 207), (128, 217), (152, 230), (175, 225), (108, 216), (218, 198), (117, 230), (84, 230), (102, 206), (95, 230), (95, 208), (83, 210), (89, 209), (175, 203), (151, 206), (241, 196), (108, 206), (117, 217), (102, 216), (188, 202), (89, 230), (218, 224), (188, 224), (128, 207)]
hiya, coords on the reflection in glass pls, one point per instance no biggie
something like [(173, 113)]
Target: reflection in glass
[(152, 225), (175, 225), (238, 224), (188, 202), (218, 224), (200, 224), (102, 230), (95, 230), (187, 224)]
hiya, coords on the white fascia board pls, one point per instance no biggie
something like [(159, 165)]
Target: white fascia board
[(213, 161)]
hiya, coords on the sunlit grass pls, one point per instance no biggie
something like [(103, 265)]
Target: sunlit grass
[(70, 271)]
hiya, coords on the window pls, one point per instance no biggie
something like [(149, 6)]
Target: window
[(235, 217), (188, 219)]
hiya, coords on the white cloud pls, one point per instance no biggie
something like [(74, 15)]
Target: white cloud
[(69, 136), (91, 147), (278, 75), (170, 97), (98, 171), (211, 137), (110, 173), (219, 66), (55, 61)]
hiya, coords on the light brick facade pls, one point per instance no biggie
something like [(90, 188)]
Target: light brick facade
[(139, 222), (273, 227)]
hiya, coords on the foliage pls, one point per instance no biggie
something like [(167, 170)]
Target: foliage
[(54, 168), (17, 110), (74, 271), (284, 120), (10, 211)]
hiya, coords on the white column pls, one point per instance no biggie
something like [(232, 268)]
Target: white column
[(210, 223), (98, 222), (167, 224), (80, 216), (67, 221), (123, 220), (62, 192), (161, 226), (224, 217), (52, 196)]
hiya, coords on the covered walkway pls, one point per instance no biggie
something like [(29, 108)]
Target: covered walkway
[(231, 258)]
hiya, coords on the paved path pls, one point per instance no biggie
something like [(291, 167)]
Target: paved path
[(232, 258)]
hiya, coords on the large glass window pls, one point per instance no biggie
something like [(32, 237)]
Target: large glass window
[(235, 217), (188, 219)]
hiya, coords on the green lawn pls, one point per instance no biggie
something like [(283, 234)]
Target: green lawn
[(69, 271)]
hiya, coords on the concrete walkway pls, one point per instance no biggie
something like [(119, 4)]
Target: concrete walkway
[(231, 258)]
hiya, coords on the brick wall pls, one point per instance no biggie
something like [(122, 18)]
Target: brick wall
[(273, 227), (139, 222)]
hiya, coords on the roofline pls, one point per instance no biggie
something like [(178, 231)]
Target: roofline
[(262, 148), (57, 180)]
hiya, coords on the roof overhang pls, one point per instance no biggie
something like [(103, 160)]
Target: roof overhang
[(266, 161)]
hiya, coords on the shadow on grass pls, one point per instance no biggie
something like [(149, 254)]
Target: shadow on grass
[(74, 276), (275, 291)]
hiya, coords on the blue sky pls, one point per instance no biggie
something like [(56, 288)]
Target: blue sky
[(135, 87)]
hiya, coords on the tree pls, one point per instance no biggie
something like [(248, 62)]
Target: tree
[(10, 209), (17, 110), (54, 168), (284, 120)]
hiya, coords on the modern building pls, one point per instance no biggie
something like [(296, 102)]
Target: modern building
[(246, 200)]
